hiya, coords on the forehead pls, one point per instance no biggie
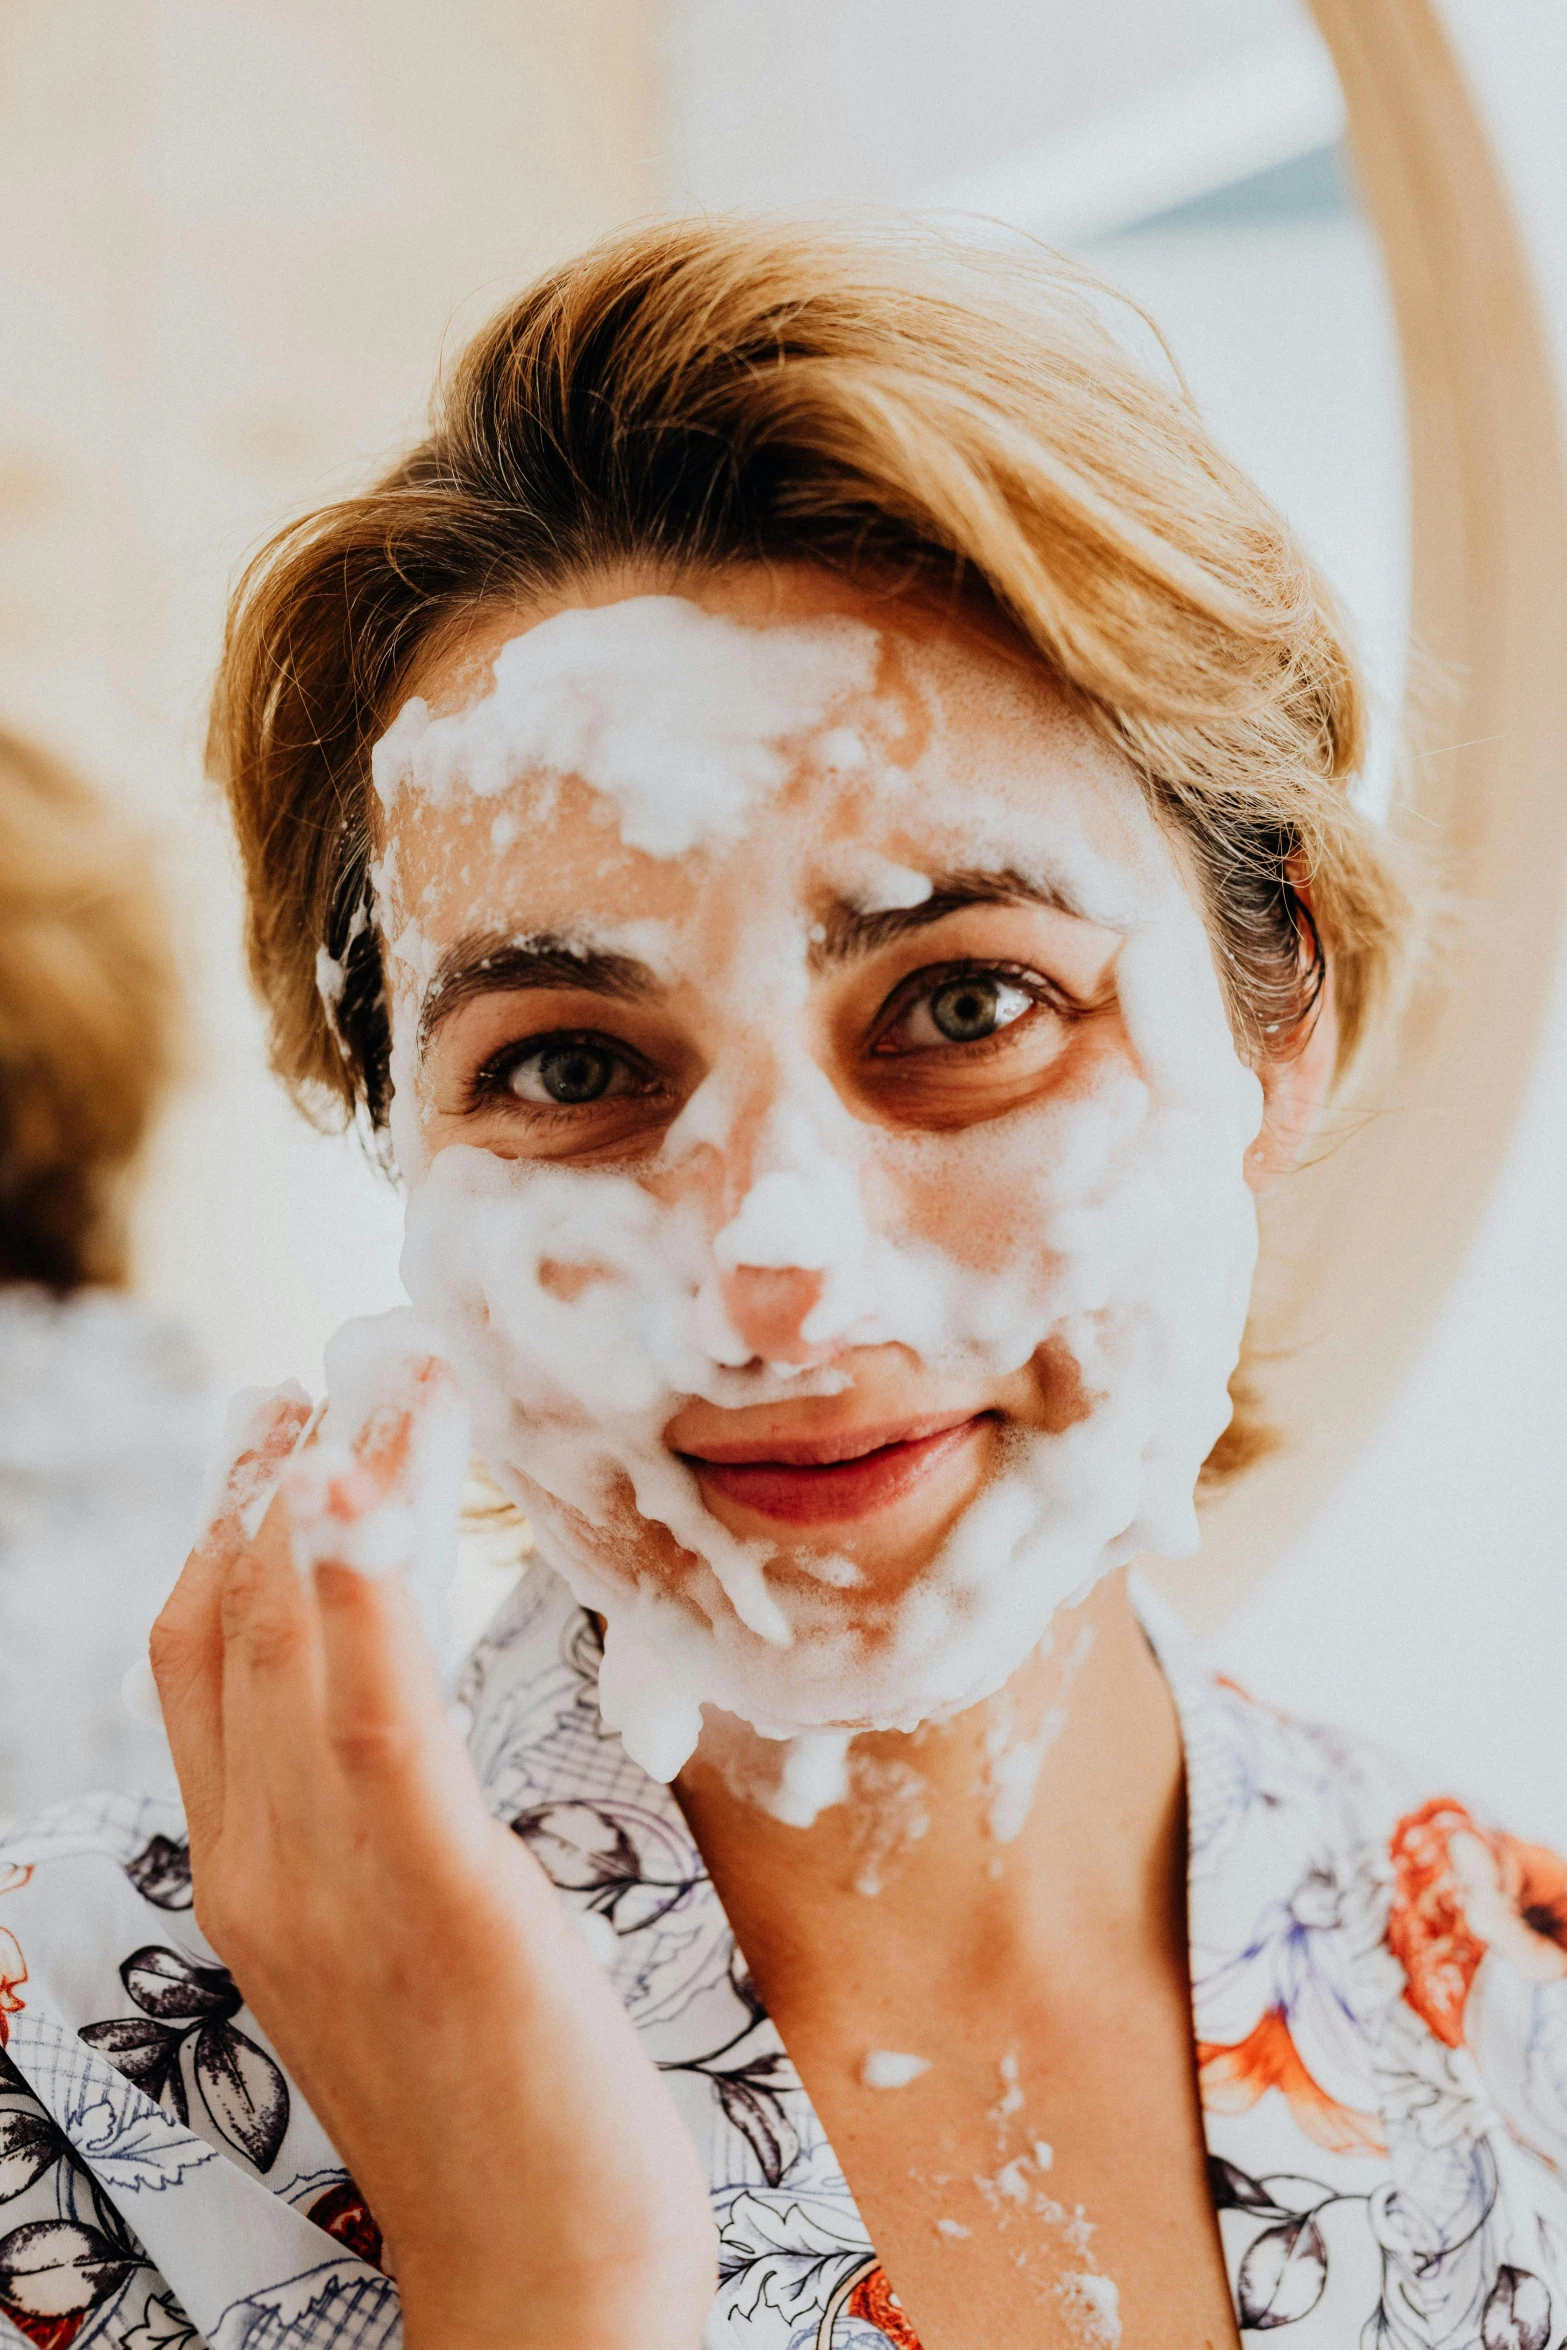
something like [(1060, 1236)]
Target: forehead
[(777, 738)]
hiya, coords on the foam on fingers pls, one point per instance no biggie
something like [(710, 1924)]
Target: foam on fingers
[(379, 1487), (261, 1427)]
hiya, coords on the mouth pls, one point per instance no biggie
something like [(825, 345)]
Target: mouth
[(821, 1480)]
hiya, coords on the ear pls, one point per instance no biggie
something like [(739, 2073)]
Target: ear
[(1295, 1088)]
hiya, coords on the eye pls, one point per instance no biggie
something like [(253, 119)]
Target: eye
[(964, 1009), (566, 1071), (967, 1009)]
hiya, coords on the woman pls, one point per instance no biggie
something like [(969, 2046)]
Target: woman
[(814, 814)]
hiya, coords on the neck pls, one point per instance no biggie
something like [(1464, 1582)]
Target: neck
[(1044, 1822)]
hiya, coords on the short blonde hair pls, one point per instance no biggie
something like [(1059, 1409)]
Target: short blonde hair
[(946, 419), (87, 1016)]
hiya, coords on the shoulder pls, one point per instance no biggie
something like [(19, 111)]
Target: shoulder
[(1380, 1993), (1332, 1835)]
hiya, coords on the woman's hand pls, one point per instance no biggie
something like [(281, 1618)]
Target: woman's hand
[(403, 1951)]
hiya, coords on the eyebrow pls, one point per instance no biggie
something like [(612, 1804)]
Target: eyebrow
[(848, 932), (496, 963)]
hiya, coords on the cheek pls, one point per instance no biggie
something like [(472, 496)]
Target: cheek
[(1061, 1395), (977, 1196), (621, 1546)]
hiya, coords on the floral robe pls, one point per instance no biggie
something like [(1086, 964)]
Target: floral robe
[(1379, 1989)]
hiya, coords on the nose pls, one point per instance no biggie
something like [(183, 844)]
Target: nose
[(768, 1305), (772, 1158)]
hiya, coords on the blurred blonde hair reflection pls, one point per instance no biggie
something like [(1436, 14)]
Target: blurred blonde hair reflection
[(106, 1415), (87, 1022)]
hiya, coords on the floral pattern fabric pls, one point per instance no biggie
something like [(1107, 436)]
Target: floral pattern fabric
[(1379, 1987)]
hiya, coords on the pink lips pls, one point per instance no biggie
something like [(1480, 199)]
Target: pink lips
[(819, 1480)]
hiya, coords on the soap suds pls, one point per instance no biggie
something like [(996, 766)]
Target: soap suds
[(1013, 1763), (888, 1817), (881, 886), (376, 1481), (1096, 2303), (681, 720), (1013, 2193), (581, 1306), (886, 2068), (1011, 2099), (332, 974)]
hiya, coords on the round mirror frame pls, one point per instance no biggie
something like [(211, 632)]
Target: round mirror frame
[(1361, 1247)]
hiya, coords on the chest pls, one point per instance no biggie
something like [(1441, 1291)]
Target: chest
[(1044, 2179)]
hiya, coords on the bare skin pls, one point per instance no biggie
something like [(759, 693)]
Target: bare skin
[(1061, 1955), (325, 1785)]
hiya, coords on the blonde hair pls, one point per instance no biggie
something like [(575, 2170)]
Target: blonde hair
[(947, 420), (87, 1009)]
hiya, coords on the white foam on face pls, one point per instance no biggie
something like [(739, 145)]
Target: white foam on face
[(582, 1306), (679, 718), (1011, 2100), (886, 886)]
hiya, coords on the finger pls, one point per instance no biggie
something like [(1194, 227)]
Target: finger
[(327, 1505), (386, 1711), (393, 1742), (186, 1647), (359, 1510), (392, 1502), (270, 1680)]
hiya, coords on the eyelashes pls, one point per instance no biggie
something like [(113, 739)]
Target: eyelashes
[(966, 1004), (951, 1014), (568, 1069)]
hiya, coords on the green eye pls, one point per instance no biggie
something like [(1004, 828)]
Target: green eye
[(965, 1010), (565, 1073)]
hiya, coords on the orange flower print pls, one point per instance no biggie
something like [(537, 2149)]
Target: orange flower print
[(13, 1966), (1460, 1890), (13, 1970), (875, 2303), (1232, 2079)]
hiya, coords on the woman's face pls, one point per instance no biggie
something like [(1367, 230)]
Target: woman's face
[(825, 1141)]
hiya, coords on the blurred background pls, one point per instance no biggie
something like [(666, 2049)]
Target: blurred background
[(239, 240)]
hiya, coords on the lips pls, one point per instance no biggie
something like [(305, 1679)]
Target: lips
[(822, 1479)]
